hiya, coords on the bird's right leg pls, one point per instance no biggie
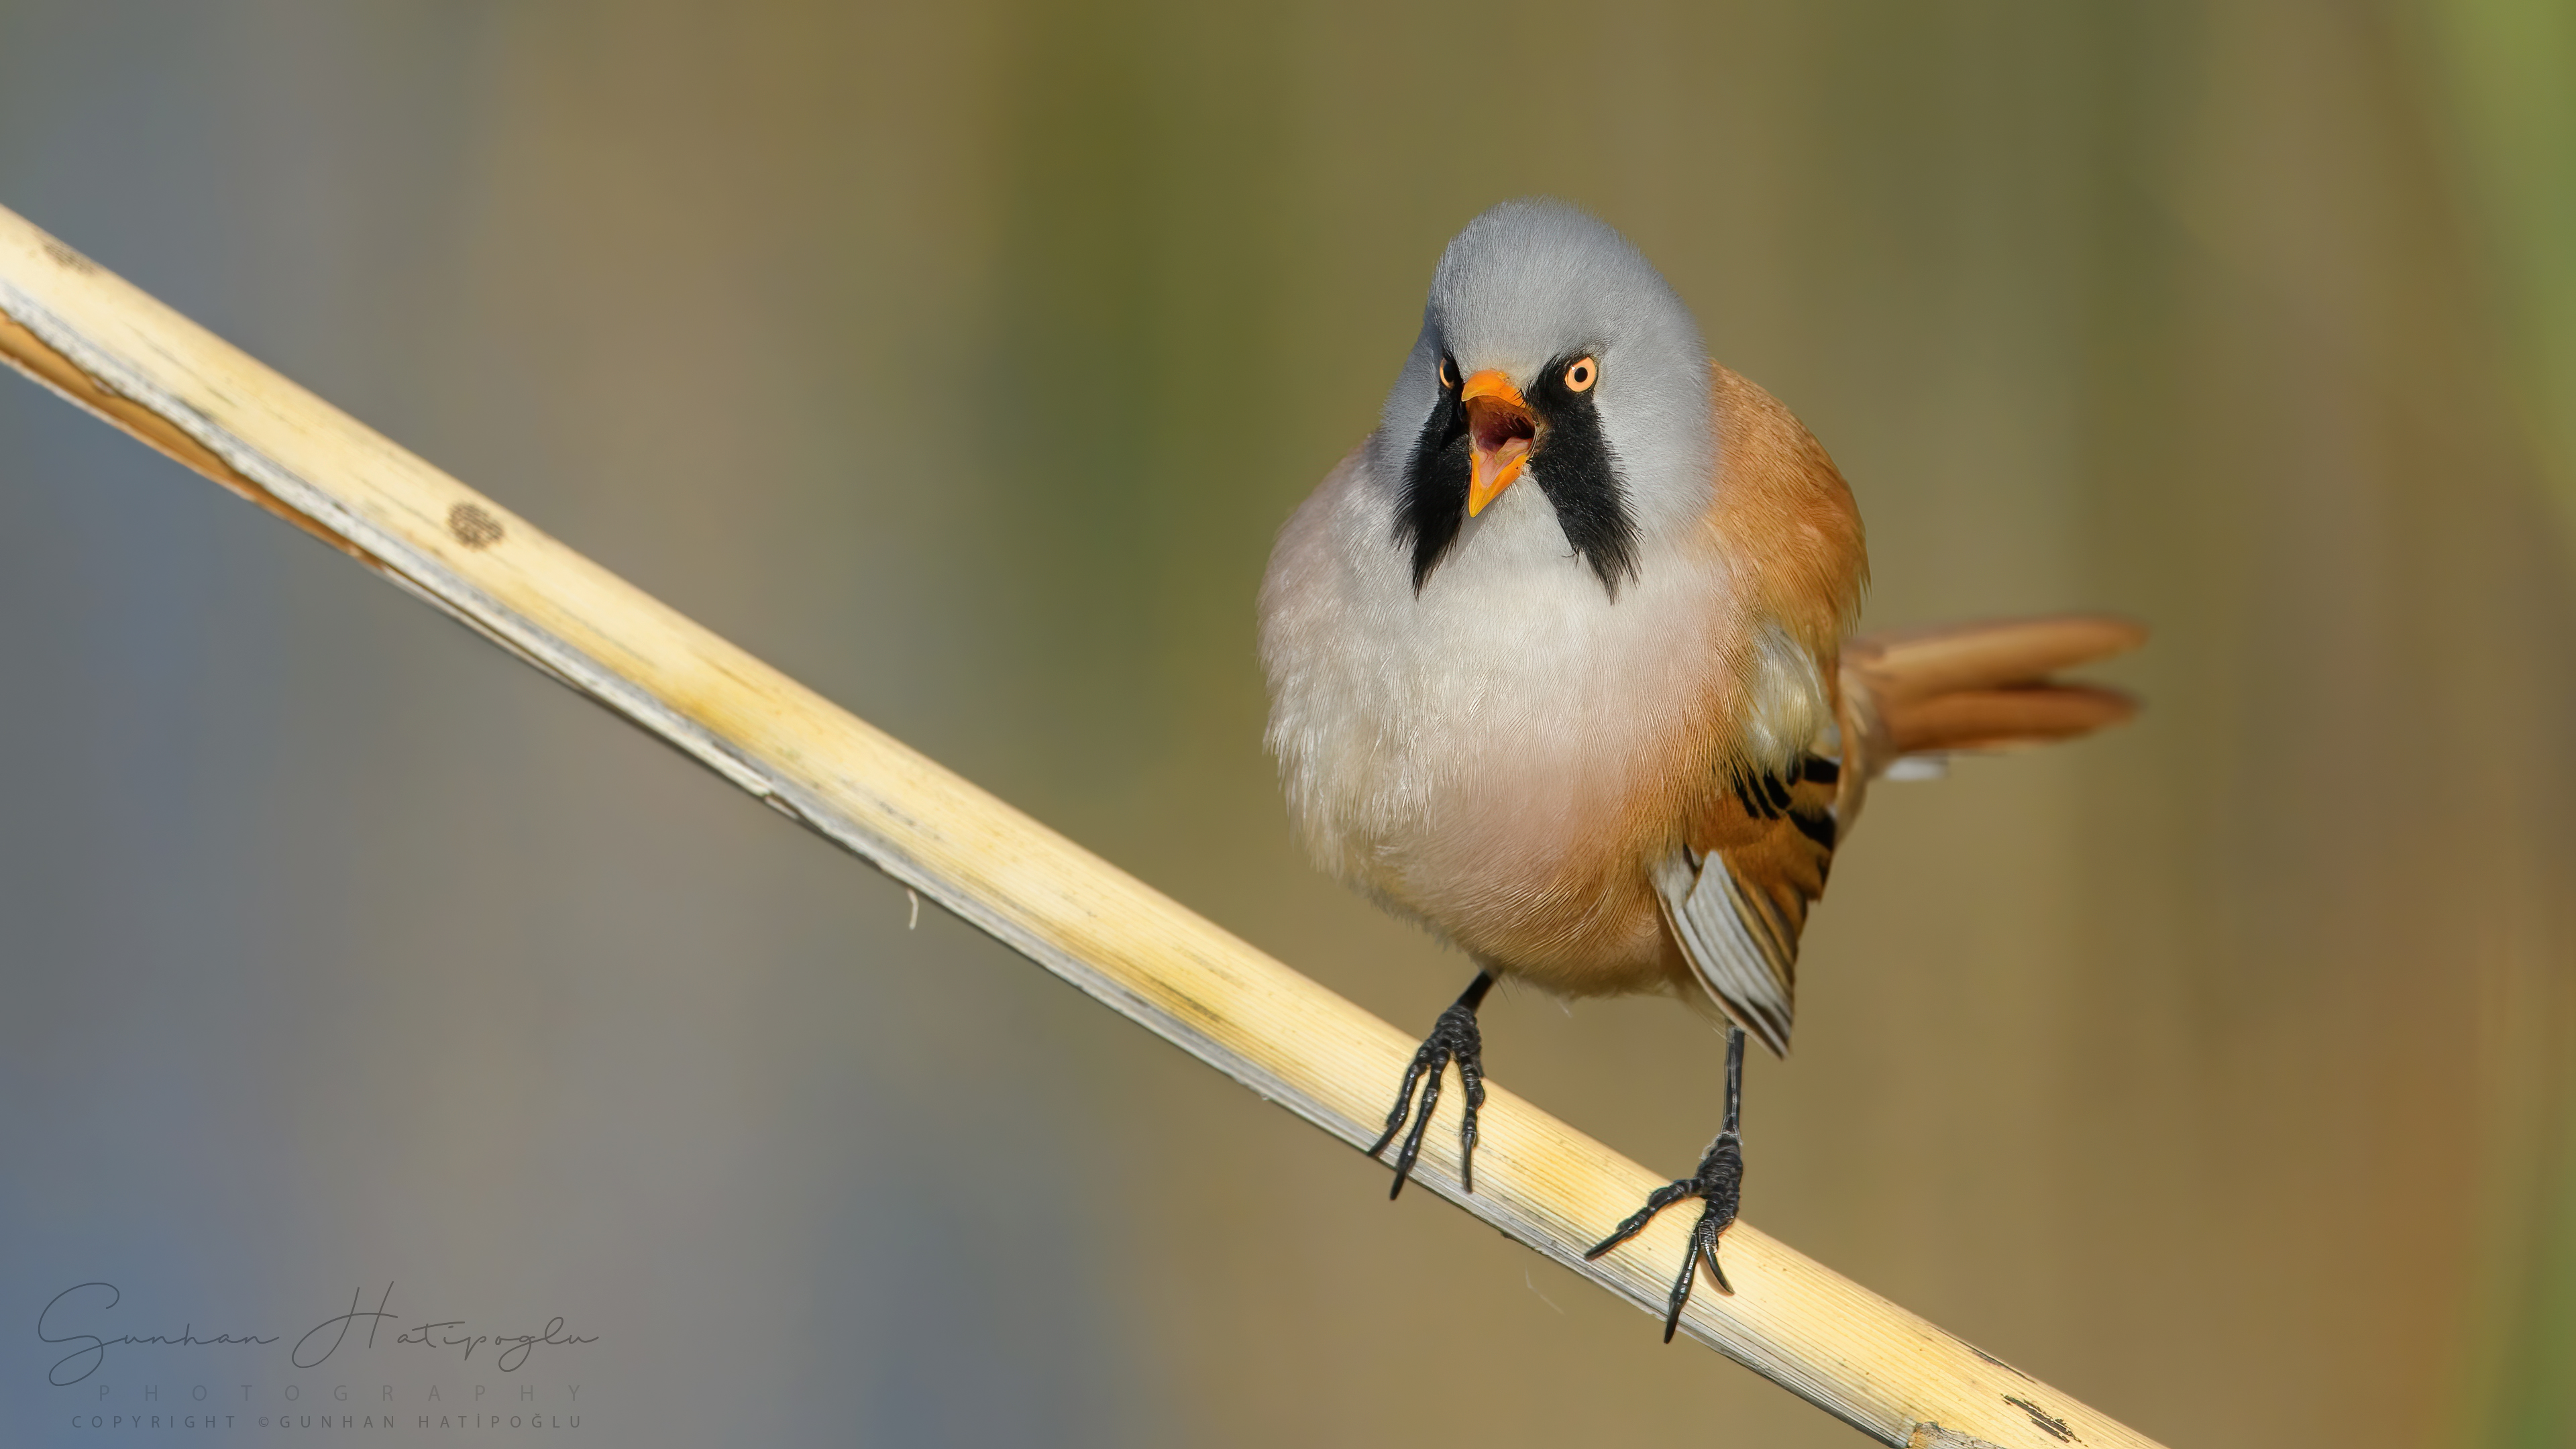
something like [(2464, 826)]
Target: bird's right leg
[(1453, 1036), (1718, 1184)]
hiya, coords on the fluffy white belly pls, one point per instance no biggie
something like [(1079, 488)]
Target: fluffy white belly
[(1508, 739)]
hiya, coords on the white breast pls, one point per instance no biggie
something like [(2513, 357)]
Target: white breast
[(1444, 751)]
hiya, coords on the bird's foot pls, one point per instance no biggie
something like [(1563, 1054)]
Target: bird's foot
[(1454, 1037), (1718, 1183)]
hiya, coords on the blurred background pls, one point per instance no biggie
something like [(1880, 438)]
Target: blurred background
[(962, 360)]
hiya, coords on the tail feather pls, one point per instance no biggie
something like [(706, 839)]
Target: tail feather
[(1983, 686), (1911, 664), (2001, 719)]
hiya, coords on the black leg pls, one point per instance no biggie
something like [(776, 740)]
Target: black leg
[(1454, 1035), (1718, 1183)]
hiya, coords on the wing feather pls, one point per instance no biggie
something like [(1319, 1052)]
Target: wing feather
[(1706, 917), (1738, 910)]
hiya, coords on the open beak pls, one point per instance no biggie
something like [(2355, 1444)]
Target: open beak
[(1501, 428)]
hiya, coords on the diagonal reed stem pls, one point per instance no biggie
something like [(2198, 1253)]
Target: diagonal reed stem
[(107, 346)]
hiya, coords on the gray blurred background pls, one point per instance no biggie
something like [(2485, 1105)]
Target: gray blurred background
[(961, 361)]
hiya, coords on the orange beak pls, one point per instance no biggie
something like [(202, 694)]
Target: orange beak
[(1501, 428)]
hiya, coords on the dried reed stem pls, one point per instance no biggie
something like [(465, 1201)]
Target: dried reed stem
[(114, 350)]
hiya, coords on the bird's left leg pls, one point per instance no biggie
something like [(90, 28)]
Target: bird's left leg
[(1454, 1035), (1718, 1183)]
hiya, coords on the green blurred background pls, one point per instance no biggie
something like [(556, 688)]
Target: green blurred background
[(962, 360)]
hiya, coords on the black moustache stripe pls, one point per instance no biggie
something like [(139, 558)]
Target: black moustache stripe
[(1436, 474), (1576, 467)]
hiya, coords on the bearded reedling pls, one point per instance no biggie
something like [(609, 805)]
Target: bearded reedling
[(1604, 730)]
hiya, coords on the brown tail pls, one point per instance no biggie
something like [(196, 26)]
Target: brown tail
[(1984, 686)]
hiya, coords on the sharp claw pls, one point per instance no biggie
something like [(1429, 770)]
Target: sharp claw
[(1681, 1294), (1628, 1228), (1380, 1145), (1635, 1223)]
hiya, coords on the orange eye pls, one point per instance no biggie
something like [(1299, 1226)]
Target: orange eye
[(1448, 378), (1580, 376)]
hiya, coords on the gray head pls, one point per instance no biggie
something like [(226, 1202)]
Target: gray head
[(1550, 348)]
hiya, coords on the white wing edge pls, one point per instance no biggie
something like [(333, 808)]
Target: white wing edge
[(1701, 906)]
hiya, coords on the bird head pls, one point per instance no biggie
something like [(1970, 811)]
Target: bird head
[(1553, 356)]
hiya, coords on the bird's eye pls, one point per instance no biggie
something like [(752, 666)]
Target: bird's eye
[(1581, 374), (1448, 375)]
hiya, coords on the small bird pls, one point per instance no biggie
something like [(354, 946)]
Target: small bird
[(1604, 730)]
